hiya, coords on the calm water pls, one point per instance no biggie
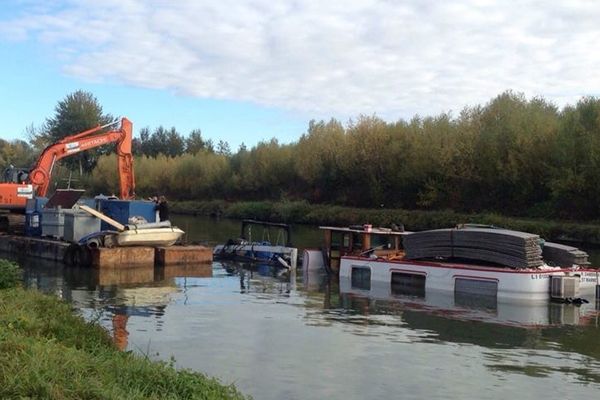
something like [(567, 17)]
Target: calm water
[(297, 337)]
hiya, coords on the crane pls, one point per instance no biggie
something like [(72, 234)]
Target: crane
[(20, 185)]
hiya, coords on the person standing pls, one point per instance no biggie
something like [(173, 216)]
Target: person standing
[(163, 209)]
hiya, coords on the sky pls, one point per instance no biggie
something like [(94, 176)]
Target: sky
[(250, 70)]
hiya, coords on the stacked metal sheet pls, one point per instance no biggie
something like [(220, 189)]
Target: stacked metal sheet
[(498, 246), (563, 256)]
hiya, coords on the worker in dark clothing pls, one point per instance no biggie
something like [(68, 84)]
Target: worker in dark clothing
[(163, 209)]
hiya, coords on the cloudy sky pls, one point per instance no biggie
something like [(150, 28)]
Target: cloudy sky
[(244, 71)]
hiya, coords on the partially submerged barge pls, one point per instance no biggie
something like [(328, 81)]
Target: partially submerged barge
[(505, 265)]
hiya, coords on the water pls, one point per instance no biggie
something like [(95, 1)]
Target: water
[(297, 337)]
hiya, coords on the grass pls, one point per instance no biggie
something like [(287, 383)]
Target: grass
[(46, 351), (322, 214), (10, 274)]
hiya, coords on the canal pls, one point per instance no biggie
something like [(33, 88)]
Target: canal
[(289, 336)]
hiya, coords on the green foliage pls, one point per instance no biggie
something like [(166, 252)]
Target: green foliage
[(48, 352), (195, 143), (77, 112), (512, 156), (161, 142), (10, 274), (17, 153), (303, 212)]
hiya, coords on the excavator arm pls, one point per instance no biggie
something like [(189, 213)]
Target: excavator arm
[(11, 194)]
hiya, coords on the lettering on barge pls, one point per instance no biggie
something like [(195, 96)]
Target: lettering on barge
[(589, 277), (540, 276)]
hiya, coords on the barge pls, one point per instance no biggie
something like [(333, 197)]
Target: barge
[(366, 257)]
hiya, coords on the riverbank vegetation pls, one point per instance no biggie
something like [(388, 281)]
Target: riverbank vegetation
[(320, 214), (513, 156), (47, 352)]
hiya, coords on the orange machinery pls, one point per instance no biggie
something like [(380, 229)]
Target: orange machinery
[(22, 185)]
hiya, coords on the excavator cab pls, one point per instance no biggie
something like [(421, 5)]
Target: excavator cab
[(15, 175)]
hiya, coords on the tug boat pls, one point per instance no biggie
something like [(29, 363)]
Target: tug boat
[(474, 260)]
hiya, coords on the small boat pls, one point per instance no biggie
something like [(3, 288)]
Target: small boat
[(245, 249), (142, 234), (482, 261), (161, 237)]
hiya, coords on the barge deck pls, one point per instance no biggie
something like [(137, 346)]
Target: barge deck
[(115, 257)]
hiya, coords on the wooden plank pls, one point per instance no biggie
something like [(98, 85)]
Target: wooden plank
[(103, 217)]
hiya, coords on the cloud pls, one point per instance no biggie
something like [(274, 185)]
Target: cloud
[(340, 58)]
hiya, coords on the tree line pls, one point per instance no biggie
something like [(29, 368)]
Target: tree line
[(512, 155), (80, 111)]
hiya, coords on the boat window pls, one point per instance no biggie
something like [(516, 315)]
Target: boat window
[(346, 241), (408, 284), (476, 286), (361, 278), (340, 241), (382, 241), (357, 241)]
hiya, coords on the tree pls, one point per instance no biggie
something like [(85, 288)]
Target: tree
[(223, 148), (79, 111), (161, 141), (174, 144), (16, 152), (194, 143)]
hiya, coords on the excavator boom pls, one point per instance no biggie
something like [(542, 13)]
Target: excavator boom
[(13, 195)]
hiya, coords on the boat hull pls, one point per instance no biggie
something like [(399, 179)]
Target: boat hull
[(256, 253), (157, 237), (509, 285)]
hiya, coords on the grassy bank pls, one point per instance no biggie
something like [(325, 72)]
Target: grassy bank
[(48, 352), (318, 214)]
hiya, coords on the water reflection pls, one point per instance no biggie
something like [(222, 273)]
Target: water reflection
[(113, 295), (243, 323), (473, 320)]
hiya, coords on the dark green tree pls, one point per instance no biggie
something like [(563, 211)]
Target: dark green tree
[(77, 112), (174, 144), (162, 141), (223, 148), (194, 143)]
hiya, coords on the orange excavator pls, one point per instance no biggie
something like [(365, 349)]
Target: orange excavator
[(20, 184)]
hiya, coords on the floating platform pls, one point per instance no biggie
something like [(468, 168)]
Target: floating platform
[(39, 248), (115, 257), (177, 255), (122, 256)]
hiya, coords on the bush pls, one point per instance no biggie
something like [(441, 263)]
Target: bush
[(302, 212), (10, 274)]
